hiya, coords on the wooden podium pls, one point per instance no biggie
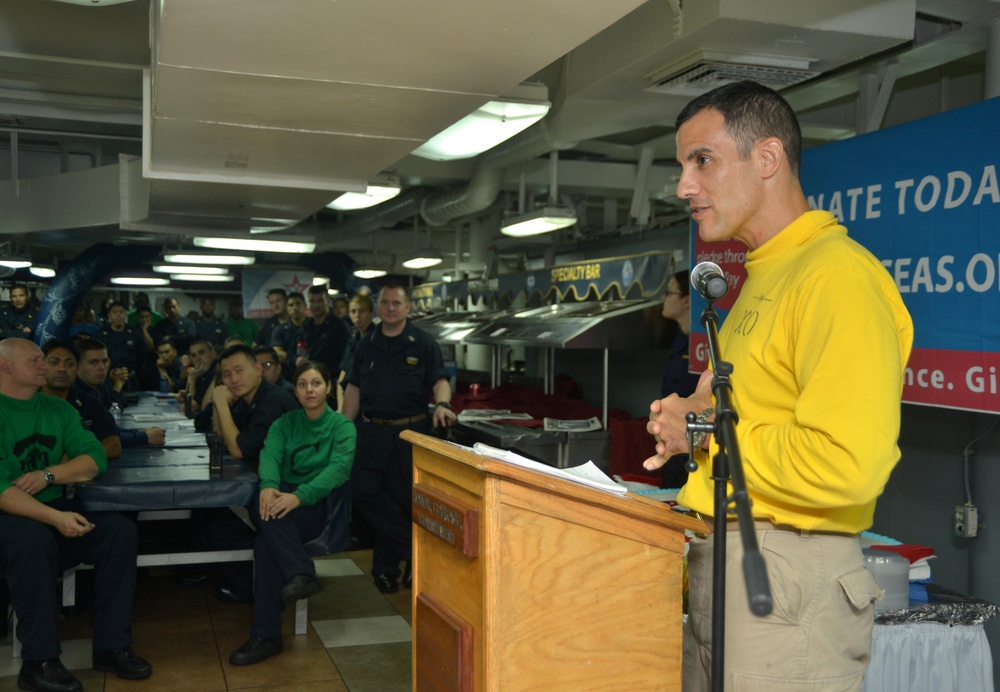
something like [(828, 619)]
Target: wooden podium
[(523, 581)]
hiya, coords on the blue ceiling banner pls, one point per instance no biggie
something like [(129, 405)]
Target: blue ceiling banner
[(924, 198)]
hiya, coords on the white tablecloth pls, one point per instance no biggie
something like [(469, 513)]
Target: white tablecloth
[(929, 657)]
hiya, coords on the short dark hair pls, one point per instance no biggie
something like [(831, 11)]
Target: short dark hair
[(296, 294), (365, 301), (53, 344), (236, 350), (683, 278), (393, 286), (211, 346), (319, 289), (143, 308), (278, 291), (752, 112), (268, 351), (307, 365), (117, 304), (90, 344)]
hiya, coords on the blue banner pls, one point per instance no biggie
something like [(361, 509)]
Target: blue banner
[(925, 199)]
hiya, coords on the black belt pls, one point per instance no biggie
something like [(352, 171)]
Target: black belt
[(394, 422)]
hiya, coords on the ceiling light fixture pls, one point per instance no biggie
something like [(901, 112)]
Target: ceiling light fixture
[(545, 220), (363, 273), (203, 277), (492, 123), (262, 225), (376, 193), (320, 281), (210, 258), (11, 258), (188, 269), (139, 281), (298, 246), (42, 272), (550, 217), (424, 259)]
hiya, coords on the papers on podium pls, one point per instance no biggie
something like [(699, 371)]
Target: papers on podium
[(586, 474)]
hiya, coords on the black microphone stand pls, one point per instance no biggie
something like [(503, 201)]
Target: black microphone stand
[(727, 462)]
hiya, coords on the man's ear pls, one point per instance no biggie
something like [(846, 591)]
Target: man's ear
[(771, 154)]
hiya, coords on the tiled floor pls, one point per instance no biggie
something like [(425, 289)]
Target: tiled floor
[(358, 639)]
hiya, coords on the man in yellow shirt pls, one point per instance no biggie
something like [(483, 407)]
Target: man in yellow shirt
[(818, 415)]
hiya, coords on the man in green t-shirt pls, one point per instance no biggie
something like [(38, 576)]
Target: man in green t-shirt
[(43, 447)]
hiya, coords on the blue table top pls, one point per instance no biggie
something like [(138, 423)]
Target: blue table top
[(148, 478)]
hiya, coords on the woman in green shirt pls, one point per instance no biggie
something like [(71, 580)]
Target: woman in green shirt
[(307, 453)]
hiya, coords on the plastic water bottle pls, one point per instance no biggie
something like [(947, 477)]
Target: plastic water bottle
[(116, 413), (164, 384)]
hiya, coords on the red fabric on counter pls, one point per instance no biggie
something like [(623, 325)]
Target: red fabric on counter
[(631, 445)]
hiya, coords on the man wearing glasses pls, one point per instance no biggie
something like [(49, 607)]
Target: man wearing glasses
[(270, 367)]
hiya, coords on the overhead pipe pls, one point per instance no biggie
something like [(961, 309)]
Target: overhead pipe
[(484, 184), (438, 208)]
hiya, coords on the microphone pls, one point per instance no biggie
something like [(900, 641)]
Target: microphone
[(709, 281)]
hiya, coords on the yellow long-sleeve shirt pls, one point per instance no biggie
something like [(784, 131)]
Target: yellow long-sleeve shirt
[(818, 338)]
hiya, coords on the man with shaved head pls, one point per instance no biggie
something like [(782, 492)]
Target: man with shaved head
[(44, 445)]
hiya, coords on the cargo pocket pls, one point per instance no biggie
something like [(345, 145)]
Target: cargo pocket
[(860, 588)]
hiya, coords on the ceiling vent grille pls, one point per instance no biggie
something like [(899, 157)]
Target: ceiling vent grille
[(705, 75)]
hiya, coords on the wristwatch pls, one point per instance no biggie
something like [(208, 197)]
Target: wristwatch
[(443, 403), (50, 478), (698, 437)]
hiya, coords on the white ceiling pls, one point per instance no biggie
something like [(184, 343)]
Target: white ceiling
[(229, 111)]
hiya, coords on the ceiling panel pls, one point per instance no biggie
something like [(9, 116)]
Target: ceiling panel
[(286, 158), (474, 46), (298, 104)]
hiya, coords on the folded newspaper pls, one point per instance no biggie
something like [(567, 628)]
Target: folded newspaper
[(586, 474), (472, 415), (559, 425)]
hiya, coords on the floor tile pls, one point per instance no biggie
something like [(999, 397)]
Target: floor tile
[(336, 567), (188, 635), (401, 683), (321, 686), (290, 667), (379, 660), (357, 631)]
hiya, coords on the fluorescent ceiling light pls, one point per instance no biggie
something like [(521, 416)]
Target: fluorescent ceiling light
[(423, 260), (483, 129), (333, 291), (14, 263), (375, 194), (188, 269), (261, 225), (320, 281), (139, 281), (203, 277), (210, 258), (544, 220), (293, 246), (42, 272), (370, 273)]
